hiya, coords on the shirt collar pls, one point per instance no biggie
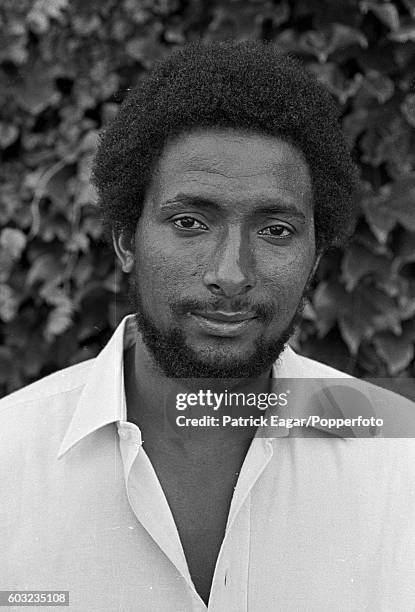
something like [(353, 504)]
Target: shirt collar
[(102, 400)]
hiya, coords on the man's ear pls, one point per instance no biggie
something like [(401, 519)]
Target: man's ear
[(123, 245)]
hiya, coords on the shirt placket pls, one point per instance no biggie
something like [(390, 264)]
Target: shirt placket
[(149, 504), (230, 583)]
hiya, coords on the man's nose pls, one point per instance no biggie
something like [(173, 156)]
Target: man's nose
[(231, 269)]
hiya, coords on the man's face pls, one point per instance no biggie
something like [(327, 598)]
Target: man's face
[(223, 251)]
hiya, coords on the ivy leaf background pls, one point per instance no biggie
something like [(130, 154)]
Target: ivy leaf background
[(64, 69)]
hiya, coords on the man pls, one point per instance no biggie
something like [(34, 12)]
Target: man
[(223, 179)]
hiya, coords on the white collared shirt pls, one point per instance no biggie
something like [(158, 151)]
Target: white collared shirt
[(314, 525)]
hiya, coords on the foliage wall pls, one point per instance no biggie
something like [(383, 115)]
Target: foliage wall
[(65, 65)]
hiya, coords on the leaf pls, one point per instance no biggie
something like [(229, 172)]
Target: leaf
[(8, 303), (344, 36), (78, 242), (396, 351), (401, 157), (9, 203), (388, 139), (84, 192), (55, 225), (400, 202), (64, 71), (374, 148), (53, 183), (145, 50), (408, 109), (406, 248), (322, 44), (366, 238), (89, 143), (369, 310), (378, 85), (108, 112), (86, 25), (13, 241), (351, 334), (35, 90), (358, 262), (329, 300), (136, 12), (6, 265), (395, 203), (393, 286), (406, 33), (369, 359), (237, 19), (56, 296), (410, 5), (406, 308), (333, 78), (379, 219), (93, 226), (8, 134), (288, 41), (280, 13), (60, 318), (44, 10), (13, 43), (45, 268), (386, 12), (58, 321), (83, 271), (355, 123)]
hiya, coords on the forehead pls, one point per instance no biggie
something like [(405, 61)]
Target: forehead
[(226, 163)]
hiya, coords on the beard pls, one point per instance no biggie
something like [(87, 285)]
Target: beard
[(176, 359)]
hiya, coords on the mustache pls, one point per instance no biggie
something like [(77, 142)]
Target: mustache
[(264, 311)]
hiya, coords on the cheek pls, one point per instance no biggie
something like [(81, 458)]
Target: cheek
[(284, 281), (170, 268), (164, 253), (165, 272)]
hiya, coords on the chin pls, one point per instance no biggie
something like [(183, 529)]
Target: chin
[(178, 354), (218, 363), (222, 349)]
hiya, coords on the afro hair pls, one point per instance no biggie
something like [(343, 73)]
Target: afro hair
[(248, 86)]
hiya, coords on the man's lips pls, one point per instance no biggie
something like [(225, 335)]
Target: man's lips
[(225, 324), (225, 317)]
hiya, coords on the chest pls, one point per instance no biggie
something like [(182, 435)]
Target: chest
[(199, 495)]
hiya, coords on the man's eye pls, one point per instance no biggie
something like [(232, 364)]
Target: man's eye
[(277, 231), (189, 223)]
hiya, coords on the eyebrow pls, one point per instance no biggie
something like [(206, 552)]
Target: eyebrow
[(268, 206)]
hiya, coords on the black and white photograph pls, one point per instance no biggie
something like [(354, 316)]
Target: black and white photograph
[(207, 305)]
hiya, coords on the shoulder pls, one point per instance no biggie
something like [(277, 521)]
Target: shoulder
[(56, 384), (42, 410), (397, 411)]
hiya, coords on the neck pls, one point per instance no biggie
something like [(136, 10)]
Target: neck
[(154, 402)]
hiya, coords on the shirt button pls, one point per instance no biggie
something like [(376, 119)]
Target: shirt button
[(124, 435)]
